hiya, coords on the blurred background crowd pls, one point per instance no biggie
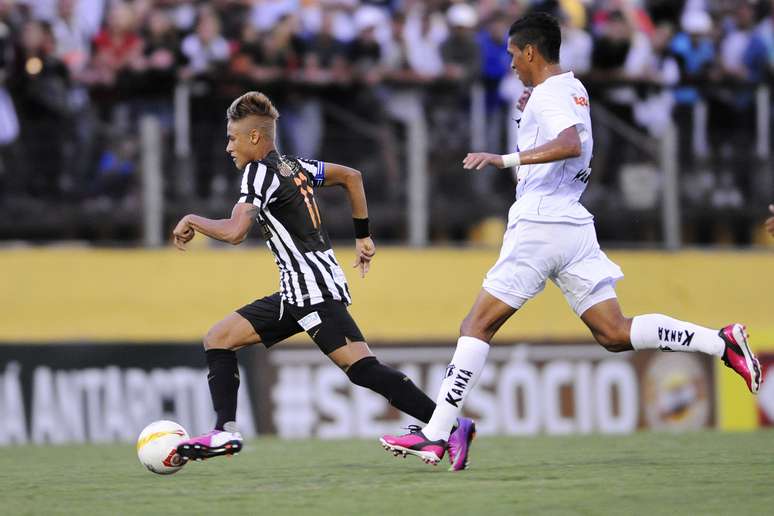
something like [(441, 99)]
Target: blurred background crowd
[(349, 78)]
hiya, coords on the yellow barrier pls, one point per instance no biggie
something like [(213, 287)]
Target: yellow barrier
[(410, 295), (65, 294)]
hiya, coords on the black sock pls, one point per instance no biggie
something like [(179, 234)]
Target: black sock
[(224, 384), (398, 388)]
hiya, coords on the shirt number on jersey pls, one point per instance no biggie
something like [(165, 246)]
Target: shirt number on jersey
[(581, 101), (305, 189)]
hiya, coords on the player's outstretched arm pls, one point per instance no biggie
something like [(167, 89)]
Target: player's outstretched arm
[(566, 145), (352, 181), (232, 230), (770, 221)]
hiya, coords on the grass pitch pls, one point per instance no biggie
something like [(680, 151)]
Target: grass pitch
[(649, 473)]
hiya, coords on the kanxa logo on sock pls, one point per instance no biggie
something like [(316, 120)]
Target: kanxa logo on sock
[(455, 394), (682, 337), (449, 371)]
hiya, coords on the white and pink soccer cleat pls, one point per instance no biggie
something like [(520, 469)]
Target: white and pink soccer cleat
[(738, 356), (211, 444), (415, 443)]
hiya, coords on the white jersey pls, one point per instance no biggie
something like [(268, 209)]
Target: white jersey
[(550, 192)]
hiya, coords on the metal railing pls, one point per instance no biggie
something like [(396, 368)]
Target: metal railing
[(662, 150)]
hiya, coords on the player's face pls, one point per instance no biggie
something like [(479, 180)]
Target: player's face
[(241, 143), (519, 62)]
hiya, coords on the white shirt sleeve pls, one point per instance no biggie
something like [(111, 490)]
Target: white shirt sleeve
[(556, 111)]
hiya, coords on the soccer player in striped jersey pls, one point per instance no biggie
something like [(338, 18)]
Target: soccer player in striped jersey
[(278, 192), (550, 235)]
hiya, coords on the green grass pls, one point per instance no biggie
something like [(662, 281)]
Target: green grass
[(648, 473)]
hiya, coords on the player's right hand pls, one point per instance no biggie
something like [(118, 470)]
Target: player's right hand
[(770, 221), (182, 234), (478, 160), (366, 250)]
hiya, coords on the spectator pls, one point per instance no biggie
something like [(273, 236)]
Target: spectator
[(424, 31), (365, 51), (325, 56), (206, 53), (395, 53), (495, 66), (765, 31), (9, 122), (266, 14), (575, 52), (402, 81), (694, 52), (369, 98), (324, 71), (232, 15), (116, 46), (251, 63), (160, 59), (621, 53), (731, 121), (73, 38), (206, 50), (460, 53), (39, 85), (73, 33), (449, 114), (461, 67), (654, 108)]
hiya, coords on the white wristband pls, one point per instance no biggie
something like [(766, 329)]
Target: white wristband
[(511, 160)]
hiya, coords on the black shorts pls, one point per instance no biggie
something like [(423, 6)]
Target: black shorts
[(328, 323)]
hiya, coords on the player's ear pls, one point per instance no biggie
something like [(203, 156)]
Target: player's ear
[(529, 52), (255, 136)]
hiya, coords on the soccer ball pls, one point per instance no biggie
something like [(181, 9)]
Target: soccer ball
[(157, 447)]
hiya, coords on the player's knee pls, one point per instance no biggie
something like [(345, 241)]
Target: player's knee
[(613, 339), (361, 372), (217, 338), (474, 327)]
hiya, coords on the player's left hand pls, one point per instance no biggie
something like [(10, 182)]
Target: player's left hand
[(182, 234), (770, 221), (365, 249), (478, 160)]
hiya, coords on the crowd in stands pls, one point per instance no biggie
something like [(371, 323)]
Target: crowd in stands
[(76, 75)]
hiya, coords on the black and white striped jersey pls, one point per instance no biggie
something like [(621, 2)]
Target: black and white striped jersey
[(282, 189)]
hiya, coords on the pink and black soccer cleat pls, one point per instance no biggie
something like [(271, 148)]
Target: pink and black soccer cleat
[(459, 443), (738, 356), (415, 443), (211, 444)]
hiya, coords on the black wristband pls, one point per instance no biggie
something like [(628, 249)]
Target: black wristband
[(361, 228)]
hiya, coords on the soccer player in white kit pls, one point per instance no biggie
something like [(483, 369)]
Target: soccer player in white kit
[(550, 235)]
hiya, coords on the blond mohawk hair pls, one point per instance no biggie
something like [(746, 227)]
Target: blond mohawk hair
[(252, 103)]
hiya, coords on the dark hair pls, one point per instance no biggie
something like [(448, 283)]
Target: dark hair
[(540, 30)]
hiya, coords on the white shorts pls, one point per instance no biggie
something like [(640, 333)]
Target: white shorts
[(568, 254)]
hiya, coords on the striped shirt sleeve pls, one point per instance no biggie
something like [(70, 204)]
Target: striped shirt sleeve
[(253, 190), (315, 170)]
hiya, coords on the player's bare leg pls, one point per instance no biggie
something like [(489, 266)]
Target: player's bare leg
[(486, 316), (220, 344), (655, 331), (349, 354)]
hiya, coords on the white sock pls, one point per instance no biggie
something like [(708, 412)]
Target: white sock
[(656, 331), (461, 376)]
